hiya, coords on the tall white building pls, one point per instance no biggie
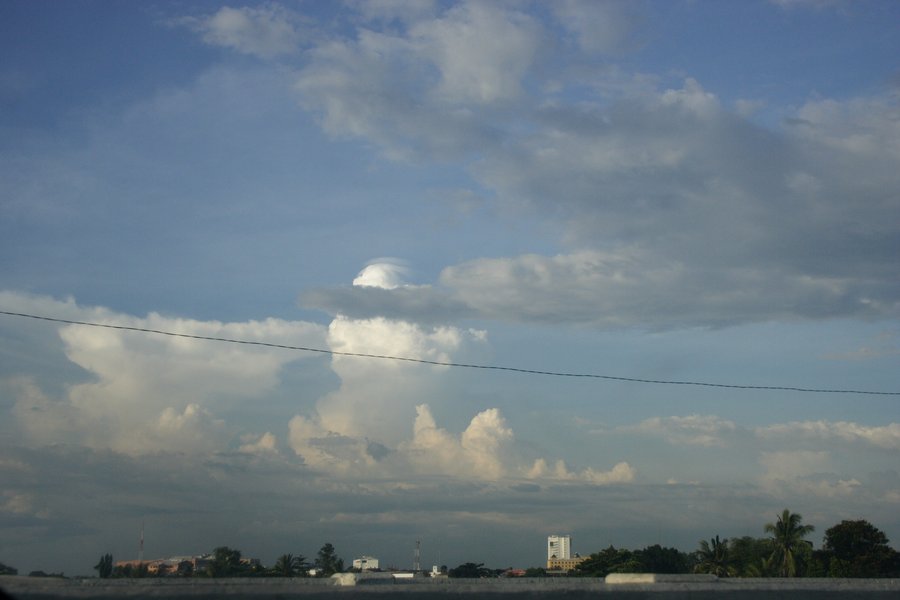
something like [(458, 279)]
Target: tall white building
[(559, 546)]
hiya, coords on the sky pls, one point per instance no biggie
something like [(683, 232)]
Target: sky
[(681, 190)]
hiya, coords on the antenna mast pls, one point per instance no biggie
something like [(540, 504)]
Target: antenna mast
[(416, 565), (141, 547)]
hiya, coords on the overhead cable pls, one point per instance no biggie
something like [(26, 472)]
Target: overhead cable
[(452, 364)]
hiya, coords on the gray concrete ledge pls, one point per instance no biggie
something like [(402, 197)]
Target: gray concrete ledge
[(657, 587), (640, 578)]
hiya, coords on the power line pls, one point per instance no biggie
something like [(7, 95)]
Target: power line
[(451, 364)]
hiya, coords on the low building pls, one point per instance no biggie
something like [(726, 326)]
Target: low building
[(366, 563), (177, 565), (564, 564)]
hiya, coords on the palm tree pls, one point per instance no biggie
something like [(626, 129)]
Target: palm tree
[(289, 565), (712, 557), (787, 537), (762, 568)]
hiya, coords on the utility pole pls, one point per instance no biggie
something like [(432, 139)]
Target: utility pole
[(416, 562)]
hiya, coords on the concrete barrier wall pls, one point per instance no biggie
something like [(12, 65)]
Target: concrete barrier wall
[(30, 588)]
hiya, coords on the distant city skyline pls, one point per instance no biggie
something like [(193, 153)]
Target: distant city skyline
[(659, 191)]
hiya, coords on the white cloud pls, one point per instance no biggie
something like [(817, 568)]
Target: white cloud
[(621, 289), (42, 420), (16, 503), (692, 98), (788, 465), (655, 174), (266, 443), (382, 274), (883, 436), (484, 440), (477, 453), (367, 419), (406, 11), (694, 430), (646, 183), (863, 127), (194, 429), (328, 451), (799, 4), (422, 91), (265, 31), (364, 426), (805, 473), (481, 50), (150, 392), (375, 392), (432, 448), (484, 451), (746, 108), (598, 26), (886, 343), (621, 472)]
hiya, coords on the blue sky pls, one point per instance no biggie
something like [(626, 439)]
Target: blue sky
[(693, 191)]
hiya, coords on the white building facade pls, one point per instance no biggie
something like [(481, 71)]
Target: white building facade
[(365, 563), (559, 547)]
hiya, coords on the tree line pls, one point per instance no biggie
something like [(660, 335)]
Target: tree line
[(852, 548), (228, 562)]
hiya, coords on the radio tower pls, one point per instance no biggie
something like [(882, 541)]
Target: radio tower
[(141, 547), (416, 565)]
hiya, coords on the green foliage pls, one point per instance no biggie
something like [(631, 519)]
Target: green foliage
[(713, 557), (130, 571), (7, 570), (185, 569), (652, 559), (327, 561), (104, 566), (858, 549), (751, 557), (289, 565), (43, 574), (470, 570), (851, 549), (656, 559), (790, 549), (535, 572), (226, 562), (601, 564)]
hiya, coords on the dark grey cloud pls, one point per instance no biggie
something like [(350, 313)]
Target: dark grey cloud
[(721, 220), (680, 213), (415, 303)]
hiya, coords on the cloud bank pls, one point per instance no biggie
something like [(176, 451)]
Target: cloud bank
[(148, 393), (676, 211)]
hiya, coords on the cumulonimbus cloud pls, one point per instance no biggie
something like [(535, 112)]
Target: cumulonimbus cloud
[(150, 392), (366, 425), (483, 451)]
